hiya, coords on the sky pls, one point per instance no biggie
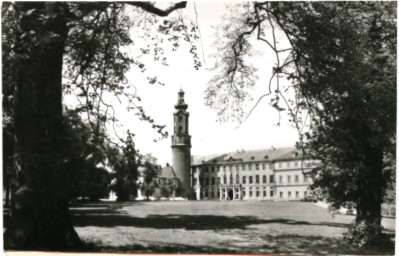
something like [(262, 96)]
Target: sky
[(208, 136)]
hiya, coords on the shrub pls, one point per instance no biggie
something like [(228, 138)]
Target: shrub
[(364, 234)]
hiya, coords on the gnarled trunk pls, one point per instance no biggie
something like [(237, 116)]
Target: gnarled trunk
[(40, 217), (371, 196)]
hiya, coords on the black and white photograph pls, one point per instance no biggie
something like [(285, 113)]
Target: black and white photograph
[(199, 127)]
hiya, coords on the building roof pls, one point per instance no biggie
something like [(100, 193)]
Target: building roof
[(167, 172), (271, 154), (292, 155), (208, 159)]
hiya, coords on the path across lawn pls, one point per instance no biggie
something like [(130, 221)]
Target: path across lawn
[(214, 226)]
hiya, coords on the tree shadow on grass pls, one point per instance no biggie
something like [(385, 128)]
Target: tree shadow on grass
[(113, 215), (279, 244), (110, 218)]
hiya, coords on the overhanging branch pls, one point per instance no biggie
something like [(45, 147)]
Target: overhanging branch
[(149, 7)]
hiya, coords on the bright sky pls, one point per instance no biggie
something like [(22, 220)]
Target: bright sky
[(208, 136)]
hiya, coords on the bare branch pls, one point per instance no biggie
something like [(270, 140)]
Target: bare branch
[(149, 7)]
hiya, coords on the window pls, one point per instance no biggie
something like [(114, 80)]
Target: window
[(271, 193), (206, 193), (305, 194), (180, 129), (257, 193), (280, 179), (250, 193), (289, 194), (207, 181), (250, 179), (237, 179), (213, 169), (252, 158), (296, 178), (264, 179), (212, 194), (289, 179), (218, 181), (281, 194), (257, 179), (256, 166), (244, 179), (224, 179), (180, 119), (305, 178), (297, 194), (213, 181), (231, 179), (264, 166), (271, 179), (264, 193)]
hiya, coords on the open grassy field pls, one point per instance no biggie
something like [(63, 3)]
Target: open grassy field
[(218, 227)]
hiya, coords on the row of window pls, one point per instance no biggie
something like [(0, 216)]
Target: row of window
[(289, 180), (241, 167), (289, 194), (257, 193), (216, 181)]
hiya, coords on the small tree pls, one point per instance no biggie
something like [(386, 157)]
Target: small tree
[(150, 172), (126, 170)]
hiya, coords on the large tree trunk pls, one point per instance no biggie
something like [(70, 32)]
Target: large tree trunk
[(40, 217), (371, 196)]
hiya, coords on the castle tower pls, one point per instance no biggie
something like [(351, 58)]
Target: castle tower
[(181, 147)]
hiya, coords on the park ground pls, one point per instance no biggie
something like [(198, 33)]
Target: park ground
[(217, 227)]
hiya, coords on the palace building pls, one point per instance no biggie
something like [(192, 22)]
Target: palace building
[(270, 174)]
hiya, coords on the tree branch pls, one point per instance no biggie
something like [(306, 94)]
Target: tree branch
[(149, 7)]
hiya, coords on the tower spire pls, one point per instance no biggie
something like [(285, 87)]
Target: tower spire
[(180, 101)]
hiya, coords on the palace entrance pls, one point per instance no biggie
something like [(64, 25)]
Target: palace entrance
[(230, 194)]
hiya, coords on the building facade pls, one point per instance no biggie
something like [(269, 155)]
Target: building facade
[(272, 174)]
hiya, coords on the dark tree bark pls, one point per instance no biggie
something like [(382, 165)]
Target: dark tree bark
[(371, 198), (40, 217)]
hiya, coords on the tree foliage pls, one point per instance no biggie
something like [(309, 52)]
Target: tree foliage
[(125, 165), (150, 172), (341, 65), (87, 176)]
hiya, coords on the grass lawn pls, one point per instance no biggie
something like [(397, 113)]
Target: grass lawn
[(218, 227)]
